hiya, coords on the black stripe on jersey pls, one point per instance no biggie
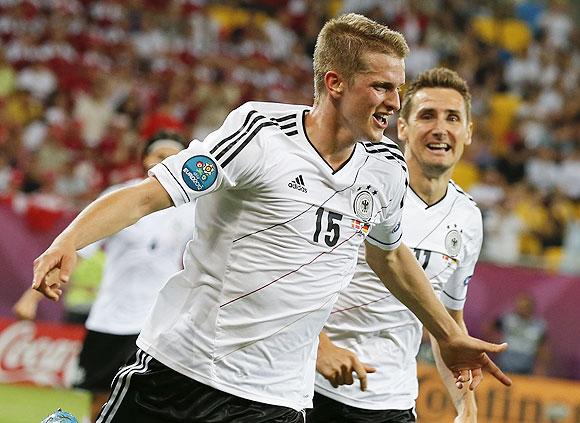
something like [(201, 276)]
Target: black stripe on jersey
[(291, 133), (288, 125), (219, 144), (453, 298), (386, 243), (246, 141), (388, 152), (459, 190), (382, 147), (178, 183), (406, 186), (283, 118), (239, 136)]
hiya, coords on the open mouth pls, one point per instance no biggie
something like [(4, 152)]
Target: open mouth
[(440, 146), (381, 119)]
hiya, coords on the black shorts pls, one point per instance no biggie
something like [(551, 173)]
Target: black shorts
[(327, 410), (102, 355), (147, 391)]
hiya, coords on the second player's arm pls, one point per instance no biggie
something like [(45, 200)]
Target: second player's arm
[(400, 272), (463, 399), (103, 217)]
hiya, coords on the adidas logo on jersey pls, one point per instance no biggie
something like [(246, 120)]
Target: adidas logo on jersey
[(298, 184)]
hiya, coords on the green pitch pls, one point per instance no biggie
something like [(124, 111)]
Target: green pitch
[(29, 404)]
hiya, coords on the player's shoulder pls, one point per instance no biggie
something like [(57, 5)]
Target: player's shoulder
[(464, 202), (385, 151), (276, 112)]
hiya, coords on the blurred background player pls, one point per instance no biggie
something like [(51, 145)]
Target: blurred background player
[(138, 260), (443, 226), (526, 334)]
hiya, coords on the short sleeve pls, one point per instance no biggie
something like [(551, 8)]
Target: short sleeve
[(387, 234), (228, 157), (454, 293)]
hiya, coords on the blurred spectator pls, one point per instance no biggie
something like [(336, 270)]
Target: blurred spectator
[(568, 174), (7, 77), (489, 191), (503, 229), (542, 170), (70, 69), (526, 335), (94, 110), (38, 80)]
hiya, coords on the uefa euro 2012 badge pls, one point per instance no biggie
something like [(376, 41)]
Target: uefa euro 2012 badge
[(199, 173), (60, 416)]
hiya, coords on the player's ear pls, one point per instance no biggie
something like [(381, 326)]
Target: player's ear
[(469, 133), (334, 84), (402, 129)]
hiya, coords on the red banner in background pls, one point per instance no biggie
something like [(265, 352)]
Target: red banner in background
[(39, 353)]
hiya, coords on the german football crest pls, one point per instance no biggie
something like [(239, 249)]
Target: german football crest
[(453, 242), (363, 205)]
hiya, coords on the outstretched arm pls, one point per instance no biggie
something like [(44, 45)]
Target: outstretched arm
[(403, 276), (103, 217), (337, 364), (463, 398)]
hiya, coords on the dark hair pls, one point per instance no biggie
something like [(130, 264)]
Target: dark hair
[(162, 135), (436, 78)]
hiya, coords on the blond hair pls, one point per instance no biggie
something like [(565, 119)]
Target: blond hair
[(436, 78), (342, 42)]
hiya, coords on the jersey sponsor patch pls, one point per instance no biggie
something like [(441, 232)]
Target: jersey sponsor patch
[(199, 173)]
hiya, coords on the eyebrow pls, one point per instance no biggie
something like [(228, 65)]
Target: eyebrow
[(384, 84), (431, 109)]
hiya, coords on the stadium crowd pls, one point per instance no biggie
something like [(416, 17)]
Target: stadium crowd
[(83, 81)]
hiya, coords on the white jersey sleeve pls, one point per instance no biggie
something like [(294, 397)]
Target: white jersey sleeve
[(388, 234), (454, 291), (226, 158)]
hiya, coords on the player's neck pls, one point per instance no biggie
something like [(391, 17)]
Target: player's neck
[(331, 141), (430, 189)]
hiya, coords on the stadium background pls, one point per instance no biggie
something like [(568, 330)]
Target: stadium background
[(83, 83)]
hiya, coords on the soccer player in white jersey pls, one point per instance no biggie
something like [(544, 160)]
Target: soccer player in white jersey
[(443, 226), (287, 195), (139, 259)]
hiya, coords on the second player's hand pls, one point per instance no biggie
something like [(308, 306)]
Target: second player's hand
[(464, 353), (338, 364), (53, 268), (27, 306)]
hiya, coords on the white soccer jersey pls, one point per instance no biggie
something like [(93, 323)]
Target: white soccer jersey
[(139, 260), (368, 320), (276, 242)]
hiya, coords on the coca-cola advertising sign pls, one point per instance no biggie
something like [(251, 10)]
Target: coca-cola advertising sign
[(41, 353)]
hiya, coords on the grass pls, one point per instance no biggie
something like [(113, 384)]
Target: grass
[(30, 404)]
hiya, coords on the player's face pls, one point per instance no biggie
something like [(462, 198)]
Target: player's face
[(372, 96), (436, 131), (157, 155)]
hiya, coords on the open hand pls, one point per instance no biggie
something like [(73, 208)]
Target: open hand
[(466, 356), (338, 364)]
